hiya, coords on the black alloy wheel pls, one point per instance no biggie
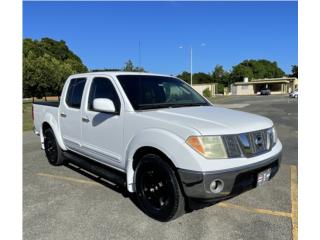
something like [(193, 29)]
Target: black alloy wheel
[(52, 149), (158, 190)]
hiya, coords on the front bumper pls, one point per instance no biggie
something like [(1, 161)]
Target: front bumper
[(237, 180)]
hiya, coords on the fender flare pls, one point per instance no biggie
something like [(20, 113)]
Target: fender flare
[(49, 119), (168, 143)]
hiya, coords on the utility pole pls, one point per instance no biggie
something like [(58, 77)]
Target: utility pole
[(139, 55), (191, 65), (191, 61)]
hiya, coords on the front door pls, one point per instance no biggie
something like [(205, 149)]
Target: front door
[(102, 133)]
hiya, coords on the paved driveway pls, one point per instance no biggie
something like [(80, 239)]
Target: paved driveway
[(68, 203)]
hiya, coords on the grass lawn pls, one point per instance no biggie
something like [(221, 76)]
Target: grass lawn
[(27, 112), (27, 116)]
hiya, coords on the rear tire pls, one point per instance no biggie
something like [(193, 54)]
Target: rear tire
[(52, 149), (157, 188)]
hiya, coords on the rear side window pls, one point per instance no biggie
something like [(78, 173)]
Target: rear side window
[(75, 91), (103, 88)]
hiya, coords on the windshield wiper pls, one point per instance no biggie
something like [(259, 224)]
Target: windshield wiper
[(189, 105), (153, 106), (169, 105)]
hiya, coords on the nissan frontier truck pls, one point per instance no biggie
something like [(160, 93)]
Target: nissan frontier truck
[(158, 137)]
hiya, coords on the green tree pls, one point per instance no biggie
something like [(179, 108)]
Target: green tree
[(29, 82), (201, 77), (65, 70), (218, 73), (220, 76), (46, 75), (197, 78), (139, 69), (239, 72), (185, 76), (106, 70), (46, 65), (256, 69), (294, 71), (129, 67)]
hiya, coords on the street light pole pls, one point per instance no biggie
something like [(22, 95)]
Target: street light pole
[(139, 55), (191, 65), (202, 45)]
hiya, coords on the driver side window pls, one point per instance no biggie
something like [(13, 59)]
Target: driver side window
[(102, 87)]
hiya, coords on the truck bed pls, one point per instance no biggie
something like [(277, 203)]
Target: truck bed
[(41, 110), (50, 104)]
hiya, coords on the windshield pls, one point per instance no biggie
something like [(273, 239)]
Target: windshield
[(150, 92)]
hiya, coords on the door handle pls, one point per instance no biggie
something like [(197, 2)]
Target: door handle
[(63, 115), (85, 119)]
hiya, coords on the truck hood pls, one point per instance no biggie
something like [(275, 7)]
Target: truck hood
[(211, 120)]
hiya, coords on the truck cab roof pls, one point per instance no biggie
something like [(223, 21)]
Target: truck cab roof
[(116, 73)]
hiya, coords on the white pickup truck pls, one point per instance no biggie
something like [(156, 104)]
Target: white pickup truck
[(159, 138)]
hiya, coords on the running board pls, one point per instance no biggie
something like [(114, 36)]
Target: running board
[(110, 174)]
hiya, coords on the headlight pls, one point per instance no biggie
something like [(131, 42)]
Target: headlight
[(211, 147), (274, 136)]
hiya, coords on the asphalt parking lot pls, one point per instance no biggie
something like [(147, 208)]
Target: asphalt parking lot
[(66, 203)]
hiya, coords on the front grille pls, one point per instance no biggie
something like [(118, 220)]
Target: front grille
[(248, 144), (259, 142)]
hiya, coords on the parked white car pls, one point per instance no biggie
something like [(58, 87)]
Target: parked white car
[(294, 94), (159, 138)]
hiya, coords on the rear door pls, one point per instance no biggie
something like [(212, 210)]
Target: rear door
[(70, 114), (102, 133)]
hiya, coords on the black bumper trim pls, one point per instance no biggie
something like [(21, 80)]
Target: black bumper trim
[(236, 180)]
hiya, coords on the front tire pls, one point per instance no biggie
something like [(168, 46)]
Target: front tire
[(52, 149), (157, 188)]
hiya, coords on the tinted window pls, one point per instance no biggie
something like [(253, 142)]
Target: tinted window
[(103, 88), (75, 92), (147, 92)]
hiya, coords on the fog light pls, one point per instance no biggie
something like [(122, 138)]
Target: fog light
[(216, 186)]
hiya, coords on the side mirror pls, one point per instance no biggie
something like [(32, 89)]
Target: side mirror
[(104, 105)]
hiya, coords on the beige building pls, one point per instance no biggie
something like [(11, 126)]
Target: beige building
[(282, 85), (201, 87)]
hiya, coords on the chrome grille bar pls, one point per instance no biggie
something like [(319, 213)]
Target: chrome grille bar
[(248, 144)]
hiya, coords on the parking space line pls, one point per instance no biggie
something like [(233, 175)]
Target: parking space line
[(254, 210), (293, 215), (69, 179), (294, 201)]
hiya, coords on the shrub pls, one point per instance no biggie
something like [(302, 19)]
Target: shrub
[(220, 88), (207, 93)]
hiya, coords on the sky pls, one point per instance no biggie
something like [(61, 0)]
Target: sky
[(107, 34)]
